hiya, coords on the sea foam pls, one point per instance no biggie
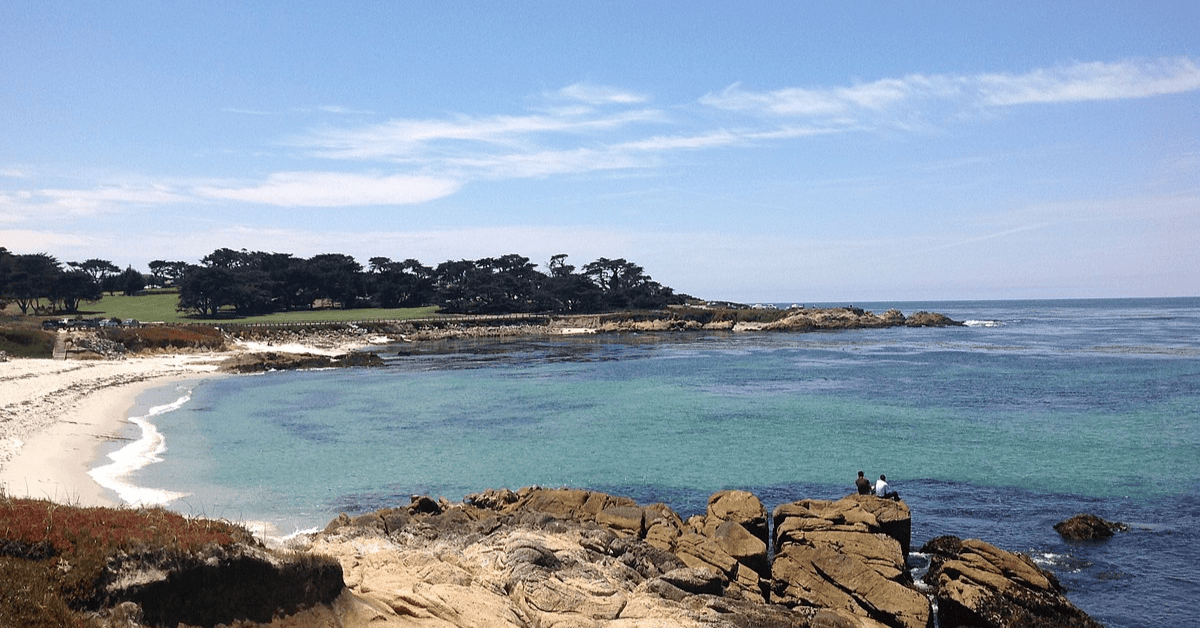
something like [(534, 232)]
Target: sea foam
[(146, 450)]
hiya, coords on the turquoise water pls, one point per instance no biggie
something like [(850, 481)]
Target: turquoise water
[(1034, 411)]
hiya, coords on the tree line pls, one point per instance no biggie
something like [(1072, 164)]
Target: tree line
[(249, 283), (30, 279)]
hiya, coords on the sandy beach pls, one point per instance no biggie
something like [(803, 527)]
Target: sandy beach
[(56, 414)]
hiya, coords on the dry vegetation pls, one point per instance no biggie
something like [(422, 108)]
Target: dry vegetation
[(53, 556)]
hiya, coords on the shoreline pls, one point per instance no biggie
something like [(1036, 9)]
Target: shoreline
[(56, 416)]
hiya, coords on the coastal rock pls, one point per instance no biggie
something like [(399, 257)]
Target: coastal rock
[(809, 319), (734, 527), (564, 503), (261, 362), (1087, 527), (847, 555), (511, 566), (930, 319), (220, 585), (977, 584), (740, 507)]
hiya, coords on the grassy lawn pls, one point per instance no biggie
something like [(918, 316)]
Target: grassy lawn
[(152, 308)]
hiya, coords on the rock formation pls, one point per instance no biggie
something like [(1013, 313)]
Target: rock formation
[(558, 557), (1085, 527), (977, 584), (280, 361), (575, 558), (847, 555)]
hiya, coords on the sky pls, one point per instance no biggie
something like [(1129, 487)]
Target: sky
[(745, 151)]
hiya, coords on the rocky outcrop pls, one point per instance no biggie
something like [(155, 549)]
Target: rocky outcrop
[(219, 585), (977, 584), (847, 555), (567, 557), (1086, 527), (930, 319), (279, 361), (501, 558), (814, 319)]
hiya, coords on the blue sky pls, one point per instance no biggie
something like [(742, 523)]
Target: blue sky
[(752, 151)]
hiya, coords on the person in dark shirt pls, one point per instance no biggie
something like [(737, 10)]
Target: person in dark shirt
[(863, 484)]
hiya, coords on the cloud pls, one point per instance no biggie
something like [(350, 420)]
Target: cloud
[(1090, 81), (14, 172), (27, 241), (402, 139), (336, 189), (1078, 82), (35, 204), (599, 94)]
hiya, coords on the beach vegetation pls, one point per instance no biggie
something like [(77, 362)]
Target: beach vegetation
[(19, 339), (53, 555)]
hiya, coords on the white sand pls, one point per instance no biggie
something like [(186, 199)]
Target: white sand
[(55, 415)]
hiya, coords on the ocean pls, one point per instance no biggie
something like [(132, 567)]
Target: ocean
[(1032, 412)]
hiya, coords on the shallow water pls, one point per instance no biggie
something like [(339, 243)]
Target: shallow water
[(998, 430)]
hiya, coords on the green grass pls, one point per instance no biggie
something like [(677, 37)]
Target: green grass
[(160, 307)]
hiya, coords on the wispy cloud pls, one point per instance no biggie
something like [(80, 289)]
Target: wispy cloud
[(335, 189), (27, 205), (1069, 83), (14, 172), (599, 128), (404, 138), (599, 94), (1090, 81)]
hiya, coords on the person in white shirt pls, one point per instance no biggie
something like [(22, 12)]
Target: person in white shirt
[(883, 490)]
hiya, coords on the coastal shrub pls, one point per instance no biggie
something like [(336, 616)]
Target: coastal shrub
[(24, 342), (53, 555), (167, 337)]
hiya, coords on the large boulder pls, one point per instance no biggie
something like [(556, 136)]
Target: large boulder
[(979, 585), (740, 507), (731, 537), (845, 555), (853, 513), (1086, 527)]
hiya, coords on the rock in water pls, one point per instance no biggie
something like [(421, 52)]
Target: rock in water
[(977, 584), (1085, 527)]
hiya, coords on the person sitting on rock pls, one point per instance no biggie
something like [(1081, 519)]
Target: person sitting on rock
[(883, 490), (863, 484)]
